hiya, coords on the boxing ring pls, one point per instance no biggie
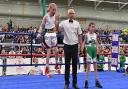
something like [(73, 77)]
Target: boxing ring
[(23, 81)]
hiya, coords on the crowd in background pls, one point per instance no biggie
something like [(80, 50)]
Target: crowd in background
[(25, 39), (28, 39)]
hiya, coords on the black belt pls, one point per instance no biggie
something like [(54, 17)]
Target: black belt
[(70, 45), (49, 30)]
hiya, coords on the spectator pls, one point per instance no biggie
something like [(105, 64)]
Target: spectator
[(19, 61), (12, 52), (36, 70), (24, 50)]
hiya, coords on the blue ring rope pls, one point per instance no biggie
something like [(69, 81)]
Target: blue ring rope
[(12, 65), (19, 33), (58, 35)]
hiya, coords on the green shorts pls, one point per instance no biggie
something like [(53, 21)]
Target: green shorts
[(91, 52)]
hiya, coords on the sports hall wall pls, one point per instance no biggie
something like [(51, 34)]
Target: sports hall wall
[(24, 15)]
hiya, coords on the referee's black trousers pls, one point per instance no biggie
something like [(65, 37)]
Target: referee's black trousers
[(71, 53)]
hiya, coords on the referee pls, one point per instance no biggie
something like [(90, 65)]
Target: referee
[(72, 36)]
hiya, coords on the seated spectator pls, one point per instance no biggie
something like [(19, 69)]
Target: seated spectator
[(39, 50), (12, 52), (19, 61), (3, 52), (35, 70), (125, 37), (2, 37), (24, 50)]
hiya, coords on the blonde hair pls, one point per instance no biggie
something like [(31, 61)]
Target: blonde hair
[(51, 5)]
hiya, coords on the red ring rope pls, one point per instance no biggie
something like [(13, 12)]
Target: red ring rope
[(39, 55)]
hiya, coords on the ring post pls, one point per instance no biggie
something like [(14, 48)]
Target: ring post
[(31, 47), (115, 49)]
